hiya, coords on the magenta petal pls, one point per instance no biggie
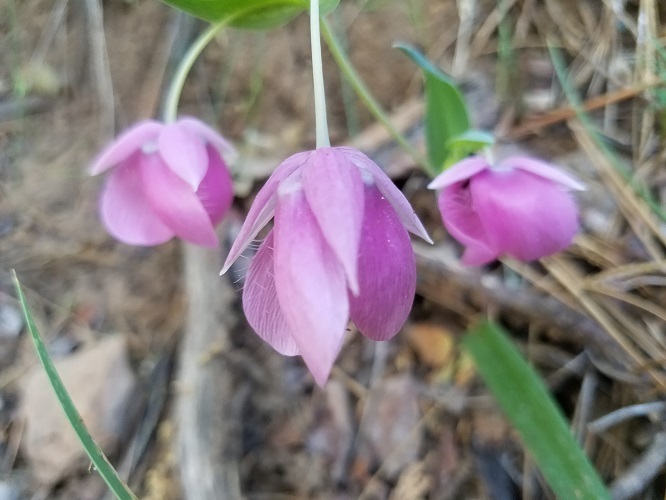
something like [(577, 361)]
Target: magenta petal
[(524, 215), (461, 171), (390, 191), (334, 190), (184, 153), (261, 305), (176, 203), (387, 271), (209, 135), (130, 141), (126, 212), (310, 282), (463, 223), (543, 169), (216, 191), (263, 208)]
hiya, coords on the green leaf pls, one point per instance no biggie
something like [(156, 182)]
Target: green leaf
[(446, 114), (540, 423), (463, 145), (99, 460), (250, 14)]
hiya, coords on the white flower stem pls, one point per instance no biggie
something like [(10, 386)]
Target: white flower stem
[(318, 77), (184, 67)]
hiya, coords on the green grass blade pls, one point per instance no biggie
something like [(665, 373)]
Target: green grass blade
[(540, 423), (99, 460)]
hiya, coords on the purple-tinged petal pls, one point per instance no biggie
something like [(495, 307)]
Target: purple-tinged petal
[(130, 141), (310, 283), (524, 215), (209, 135), (263, 208), (184, 153), (459, 172), (390, 191), (261, 305), (334, 190), (543, 169), (216, 191), (463, 223), (176, 203), (126, 212), (387, 271)]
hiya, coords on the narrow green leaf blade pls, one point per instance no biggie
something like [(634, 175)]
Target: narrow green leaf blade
[(99, 460), (446, 113), (526, 402), (249, 14)]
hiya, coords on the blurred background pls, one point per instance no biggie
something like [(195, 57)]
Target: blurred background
[(187, 401)]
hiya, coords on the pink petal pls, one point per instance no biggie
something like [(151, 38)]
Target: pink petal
[(390, 191), (209, 135), (130, 141), (125, 210), (216, 191), (387, 271), (461, 171), (463, 223), (524, 215), (263, 208), (261, 305), (310, 283), (543, 169), (334, 190), (176, 203), (184, 153)]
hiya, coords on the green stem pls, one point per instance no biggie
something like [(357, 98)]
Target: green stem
[(184, 67), (321, 123), (366, 96)]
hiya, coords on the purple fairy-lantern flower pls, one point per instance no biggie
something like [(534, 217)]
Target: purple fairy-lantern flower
[(521, 207), (339, 249), (166, 180)]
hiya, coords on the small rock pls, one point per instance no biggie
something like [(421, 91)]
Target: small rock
[(101, 383), (391, 415), (11, 321), (433, 344), (333, 434)]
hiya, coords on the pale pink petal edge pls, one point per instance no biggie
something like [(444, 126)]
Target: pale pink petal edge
[(545, 170), (394, 196), (224, 147), (460, 171), (130, 141), (263, 208), (184, 152)]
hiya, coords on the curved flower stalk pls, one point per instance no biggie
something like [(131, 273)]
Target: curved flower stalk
[(520, 207), (339, 249), (166, 180)]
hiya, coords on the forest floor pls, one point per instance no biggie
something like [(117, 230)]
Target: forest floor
[(406, 419)]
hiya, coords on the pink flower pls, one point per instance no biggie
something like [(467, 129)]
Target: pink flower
[(167, 180), (339, 248), (520, 207)]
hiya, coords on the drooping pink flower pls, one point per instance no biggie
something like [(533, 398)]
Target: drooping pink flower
[(520, 207), (339, 248), (166, 180)]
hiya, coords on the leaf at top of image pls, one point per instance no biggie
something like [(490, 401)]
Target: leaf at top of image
[(249, 14), (446, 111)]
